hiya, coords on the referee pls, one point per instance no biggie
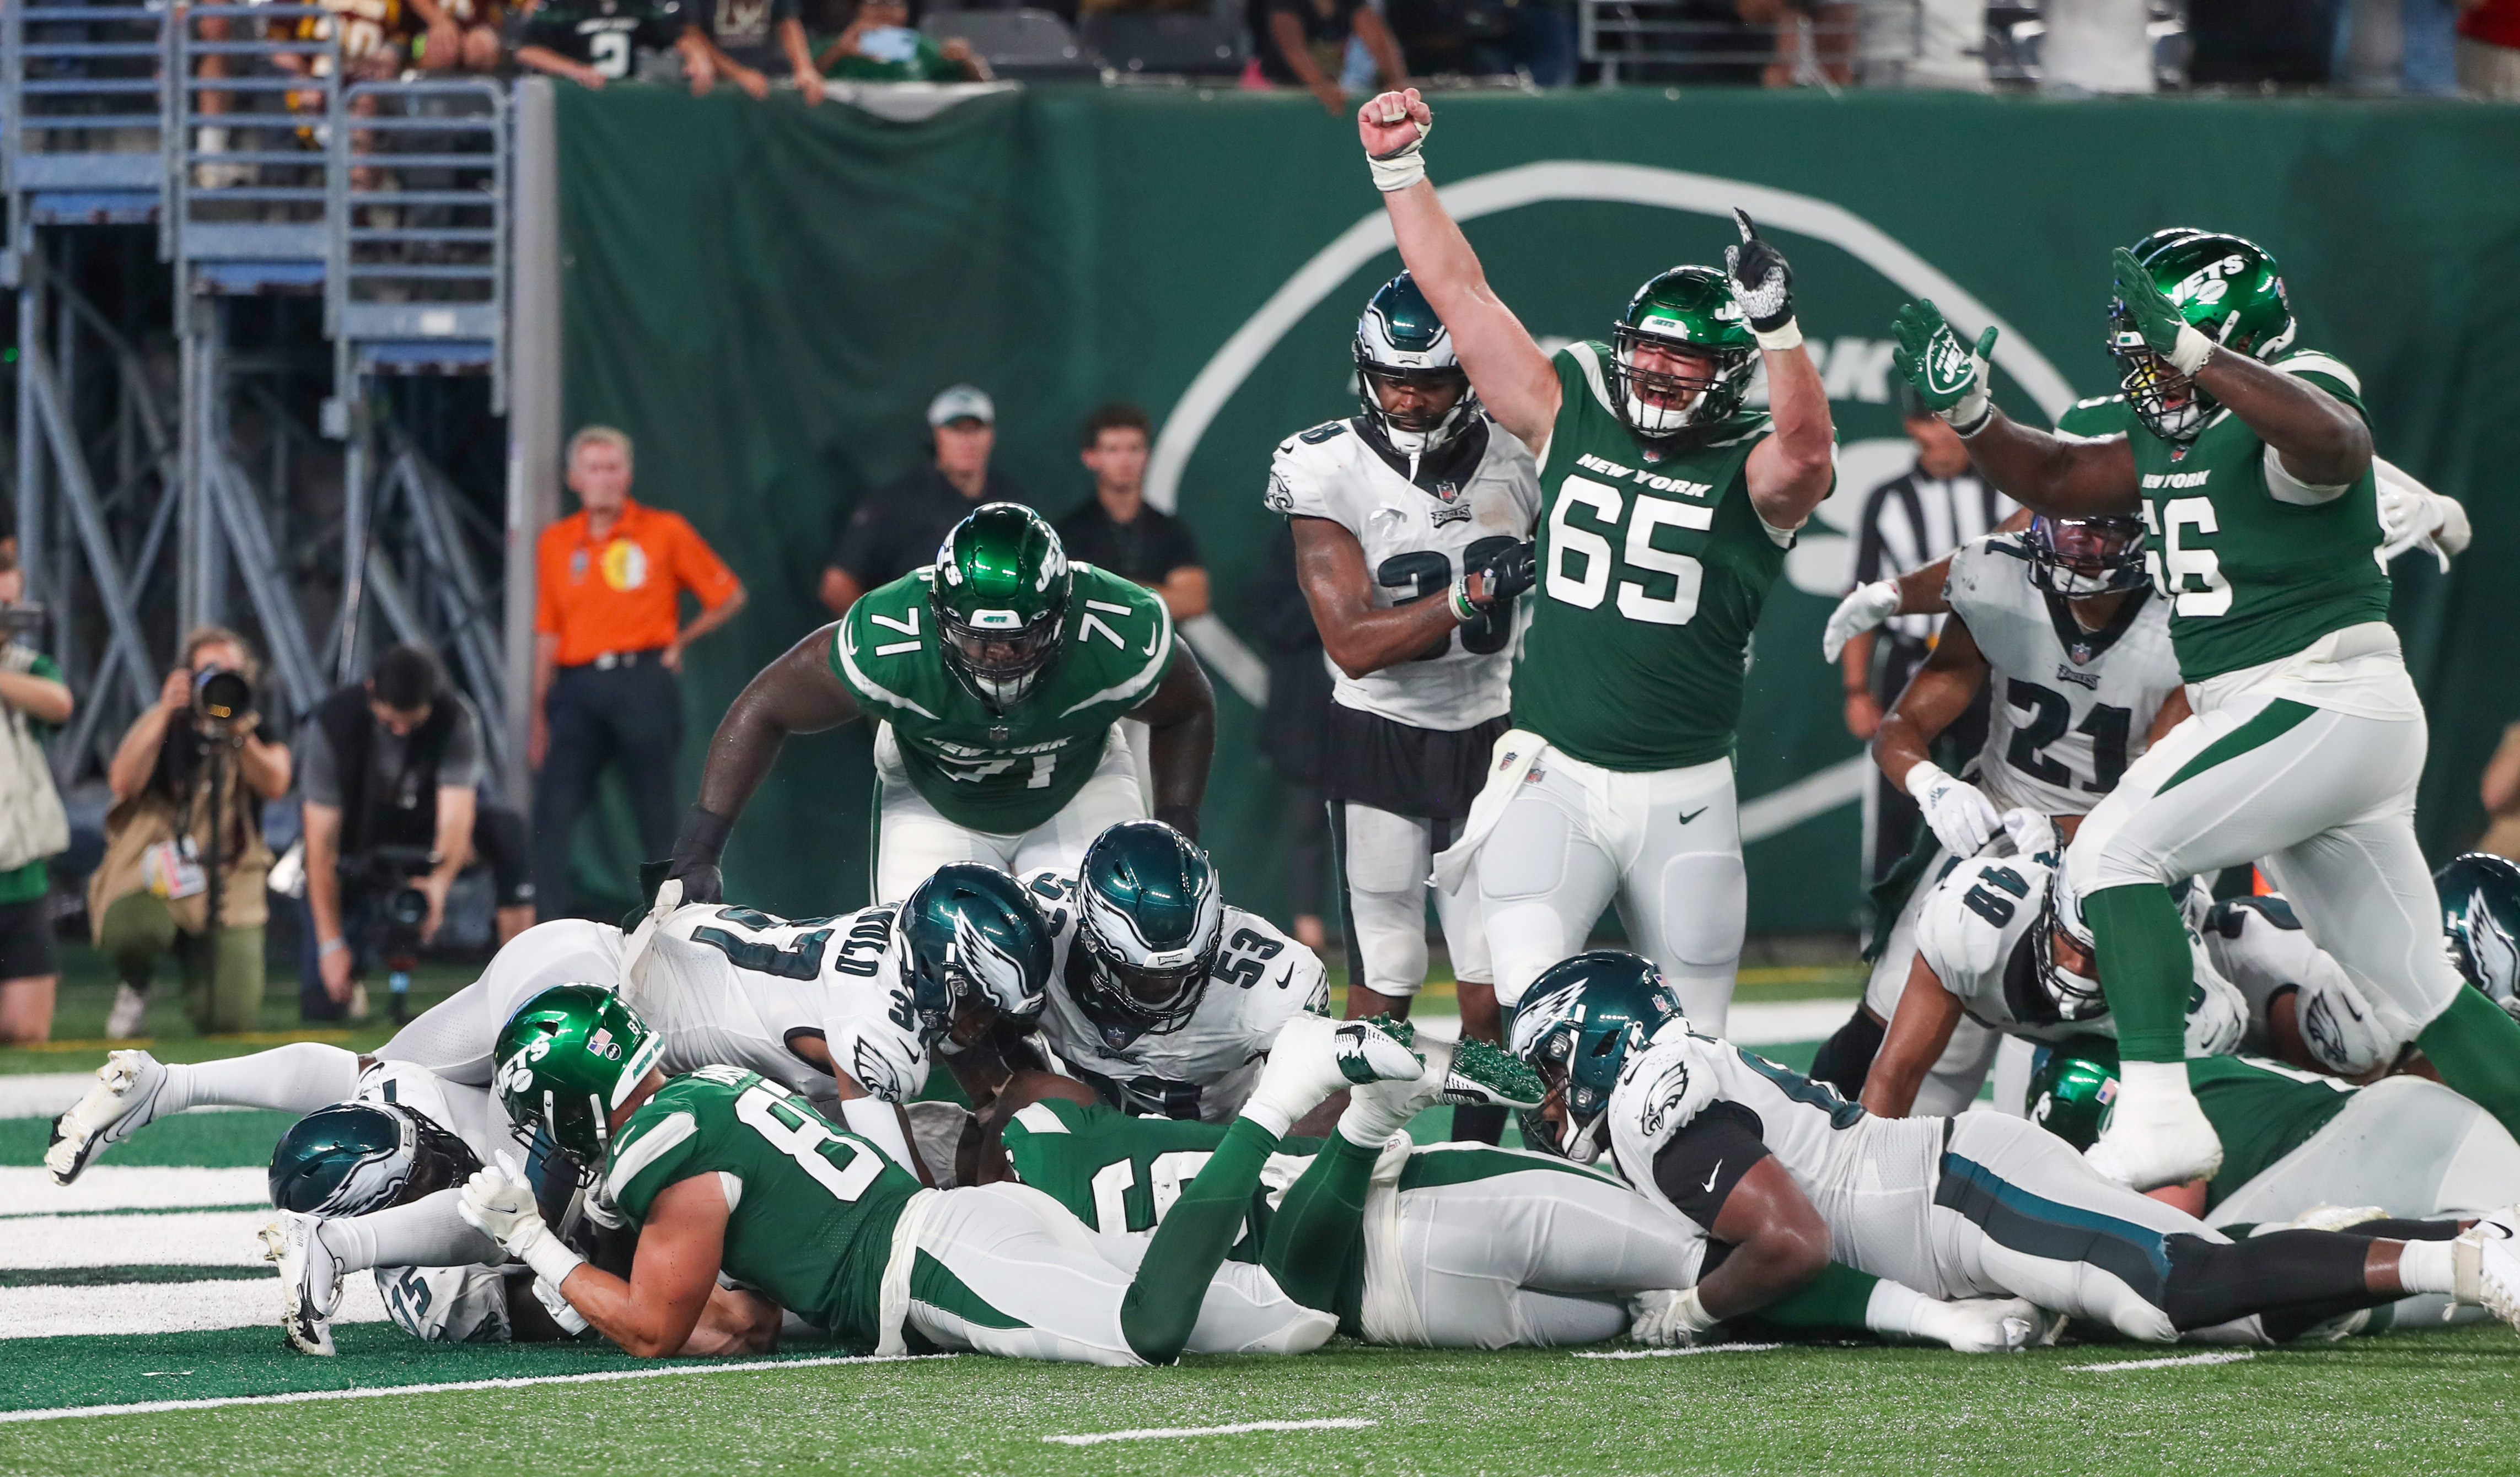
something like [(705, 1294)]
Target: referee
[(608, 642)]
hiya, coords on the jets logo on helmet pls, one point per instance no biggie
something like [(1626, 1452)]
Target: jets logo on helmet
[(1000, 593), (1150, 919), (570, 1058), (2227, 287), (1408, 382), (1681, 355)]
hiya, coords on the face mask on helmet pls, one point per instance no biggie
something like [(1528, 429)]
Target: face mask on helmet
[(2228, 290), (1000, 590), (974, 951), (1151, 919), (999, 655), (2078, 557), (2061, 947), (1568, 1122), (566, 1062), (1665, 387), (1416, 409), (353, 1158), (1575, 1028)]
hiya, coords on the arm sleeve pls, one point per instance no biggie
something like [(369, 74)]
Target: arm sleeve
[(317, 778), (1697, 1167), (460, 767), (699, 569), (546, 571)]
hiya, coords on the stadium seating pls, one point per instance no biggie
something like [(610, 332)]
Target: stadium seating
[(1017, 43), (1154, 43)]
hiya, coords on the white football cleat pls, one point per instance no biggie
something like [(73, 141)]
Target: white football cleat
[(1315, 1056), (120, 1104), (2157, 1134), (2484, 1264), (1998, 1325), (129, 1014), (310, 1280)]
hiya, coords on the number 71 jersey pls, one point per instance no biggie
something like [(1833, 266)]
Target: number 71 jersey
[(1206, 1068)]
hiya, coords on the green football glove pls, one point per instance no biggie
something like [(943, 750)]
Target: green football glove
[(1948, 377), (2156, 317)]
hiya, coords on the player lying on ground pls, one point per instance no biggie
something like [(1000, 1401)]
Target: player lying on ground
[(849, 1007), (995, 680), (2404, 1157), (1460, 1246), (724, 1171), (2059, 626), (1790, 1175), (2251, 466)]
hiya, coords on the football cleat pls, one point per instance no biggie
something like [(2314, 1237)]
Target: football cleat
[(310, 1280), (1467, 1074), (1315, 1056), (2484, 1264), (116, 1107), (1999, 1325)]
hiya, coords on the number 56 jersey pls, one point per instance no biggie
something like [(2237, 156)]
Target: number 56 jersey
[(1419, 528), (2069, 710), (1206, 1067)]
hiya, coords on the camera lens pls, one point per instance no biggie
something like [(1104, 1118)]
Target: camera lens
[(408, 908)]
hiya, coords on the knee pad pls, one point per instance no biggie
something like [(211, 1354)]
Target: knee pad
[(1525, 856), (1700, 909)]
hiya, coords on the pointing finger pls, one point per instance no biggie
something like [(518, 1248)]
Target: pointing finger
[(1741, 218)]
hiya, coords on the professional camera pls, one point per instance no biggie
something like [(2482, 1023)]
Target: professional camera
[(222, 700), (20, 622), (402, 910)]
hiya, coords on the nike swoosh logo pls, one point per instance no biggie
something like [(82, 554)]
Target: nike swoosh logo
[(1687, 816), (1709, 1186)]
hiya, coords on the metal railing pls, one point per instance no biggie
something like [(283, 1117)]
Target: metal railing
[(244, 161), (81, 105)]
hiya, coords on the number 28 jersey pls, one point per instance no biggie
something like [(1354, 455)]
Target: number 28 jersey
[(2070, 708), (1653, 566), (1475, 496), (1206, 1067)]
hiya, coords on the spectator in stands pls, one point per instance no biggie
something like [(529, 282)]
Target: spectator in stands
[(458, 35), (1116, 529), (33, 702), (1711, 41), (747, 37), (1909, 521), (1294, 728), (2489, 49), (592, 42), (1306, 40), (881, 47), (896, 529), (189, 779), (388, 769), (608, 646), (1814, 41)]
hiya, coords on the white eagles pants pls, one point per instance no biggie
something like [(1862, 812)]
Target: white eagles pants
[(1950, 1085), (1034, 1283), (1532, 1258), (454, 1037), (1384, 861), (2325, 806), (1666, 845), (914, 839)]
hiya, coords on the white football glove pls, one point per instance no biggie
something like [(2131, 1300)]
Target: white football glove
[(2413, 515), (500, 1205), (571, 1321), (1666, 1320), (1963, 819), (1865, 607)]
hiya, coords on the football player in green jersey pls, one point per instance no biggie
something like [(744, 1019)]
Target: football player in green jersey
[(997, 679), (2306, 1149), (723, 1170), (1666, 508), (2251, 465)]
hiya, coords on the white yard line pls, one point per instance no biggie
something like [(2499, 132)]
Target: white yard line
[(42, 1095), (1783, 1023), (1674, 1353), (1165, 1433), (110, 1186), (182, 1238), (520, 1382), (2225, 1357), (167, 1307)]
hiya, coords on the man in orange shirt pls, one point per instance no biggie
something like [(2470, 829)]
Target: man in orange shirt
[(608, 642)]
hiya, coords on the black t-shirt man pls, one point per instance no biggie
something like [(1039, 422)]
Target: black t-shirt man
[(1327, 25), (748, 31), (897, 528), (1144, 549)]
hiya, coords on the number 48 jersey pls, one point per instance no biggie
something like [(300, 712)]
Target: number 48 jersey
[(1206, 1067), (2070, 708), (1472, 498)]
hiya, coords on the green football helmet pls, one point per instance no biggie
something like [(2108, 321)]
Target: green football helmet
[(1689, 310), (2072, 1096), (2227, 289), (1575, 1027), (1151, 917), (565, 1060), (1400, 341), (356, 1157), (2480, 898), (973, 944), (999, 592)]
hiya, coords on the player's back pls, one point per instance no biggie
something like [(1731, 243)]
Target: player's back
[(813, 1206), (758, 980), (1119, 1174)]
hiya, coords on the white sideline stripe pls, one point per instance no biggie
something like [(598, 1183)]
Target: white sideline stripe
[(186, 1238), (108, 1186), (515, 1382), (167, 1307), (1775, 1023), (2226, 1357), (1813, 794), (1675, 1353), (1161, 1433), (47, 1095)]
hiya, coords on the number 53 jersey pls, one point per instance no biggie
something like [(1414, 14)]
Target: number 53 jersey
[(2069, 710), (1204, 1068)]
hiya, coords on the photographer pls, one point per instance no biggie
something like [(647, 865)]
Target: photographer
[(389, 767), (32, 826), (185, 833)]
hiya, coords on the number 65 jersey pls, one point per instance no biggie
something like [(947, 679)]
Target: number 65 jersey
[(1470, 498), (1204, 1068), (2069, 710)]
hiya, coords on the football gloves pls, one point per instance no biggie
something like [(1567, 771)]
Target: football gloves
[(1864, 606), (1949, 377), (1512, 570), (2414, 517), (1963, 819), (1662, 1318), (2156, 317), (697, 851), (500, 1205), (1762, 284)]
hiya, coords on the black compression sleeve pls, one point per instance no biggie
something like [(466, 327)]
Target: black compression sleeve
[(1697, 1167), (2216, 1281)]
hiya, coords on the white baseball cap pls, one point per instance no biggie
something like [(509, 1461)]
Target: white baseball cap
[(962, 402)]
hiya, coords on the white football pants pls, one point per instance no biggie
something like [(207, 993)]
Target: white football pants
[(1666, 845), (1384, 860), (913, 839)]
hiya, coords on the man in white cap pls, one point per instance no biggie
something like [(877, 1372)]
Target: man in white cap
[(896, 529)]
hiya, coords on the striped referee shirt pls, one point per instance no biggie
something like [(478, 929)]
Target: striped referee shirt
[(1911, 520)]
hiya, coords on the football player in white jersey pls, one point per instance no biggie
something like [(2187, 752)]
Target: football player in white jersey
[(1789, 1175), (2060, 625), (1411, 523), (1162, 999)]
